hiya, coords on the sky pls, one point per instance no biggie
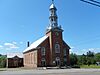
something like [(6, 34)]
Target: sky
[(27, 20)]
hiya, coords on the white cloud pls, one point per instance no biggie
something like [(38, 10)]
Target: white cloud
[(72, 47), (10, 46), (14, 42), (83, 51), (95, 50), (21, 42), (1, 47)]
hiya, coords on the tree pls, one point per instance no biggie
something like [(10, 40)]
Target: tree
[(90, 58), (73, 59), (90, 54), (2, 61), (97, 57), (84, 59), (88, 61)]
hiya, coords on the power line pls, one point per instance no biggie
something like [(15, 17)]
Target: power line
[(95, 1), (92, 2)]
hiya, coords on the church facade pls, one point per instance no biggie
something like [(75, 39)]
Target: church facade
[(50, 50)]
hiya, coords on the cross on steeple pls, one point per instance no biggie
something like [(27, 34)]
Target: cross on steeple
[(52, 1)]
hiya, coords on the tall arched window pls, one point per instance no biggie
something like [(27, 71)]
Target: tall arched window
[(57, 48), (43, 51), (65, 52)]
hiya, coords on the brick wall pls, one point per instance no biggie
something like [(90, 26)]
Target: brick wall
[(30, 59)]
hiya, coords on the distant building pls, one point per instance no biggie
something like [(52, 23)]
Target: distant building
[(14, 60), (51, 49)]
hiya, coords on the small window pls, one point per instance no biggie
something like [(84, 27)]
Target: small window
[(57, 48), (43, 51)]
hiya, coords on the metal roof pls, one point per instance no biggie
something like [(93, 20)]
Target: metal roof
[(35, 44)]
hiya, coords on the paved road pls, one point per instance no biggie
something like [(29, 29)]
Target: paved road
[(52, 72)]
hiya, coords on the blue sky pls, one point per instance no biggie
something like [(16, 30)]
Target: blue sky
[(26, 20)]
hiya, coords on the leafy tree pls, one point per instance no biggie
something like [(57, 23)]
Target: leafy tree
[(2, 61), (97, 57), (90, 58), (88, 61), (73, 59), (90, 54), (83, 59)]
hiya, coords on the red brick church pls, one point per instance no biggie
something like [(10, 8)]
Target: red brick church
[(51, 49)]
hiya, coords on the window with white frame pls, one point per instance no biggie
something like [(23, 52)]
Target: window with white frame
[(65, 52), (43, 51), (57, 48)]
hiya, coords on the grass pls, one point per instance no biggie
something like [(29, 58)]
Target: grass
[(91, 66), (2, 69)]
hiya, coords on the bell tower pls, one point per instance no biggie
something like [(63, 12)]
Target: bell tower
[(53, 18), (54, 31)]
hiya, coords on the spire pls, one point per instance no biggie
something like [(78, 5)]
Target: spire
[(52, 1), (53, 18), (52, 5)]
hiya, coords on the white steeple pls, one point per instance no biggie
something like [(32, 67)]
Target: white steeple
[(53, 15), (53, 18)]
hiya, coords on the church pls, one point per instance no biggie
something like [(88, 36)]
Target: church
[(50, 50)]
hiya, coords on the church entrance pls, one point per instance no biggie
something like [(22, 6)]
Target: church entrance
[(57, 61)]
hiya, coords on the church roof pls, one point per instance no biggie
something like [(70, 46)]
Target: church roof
[(36, 43)]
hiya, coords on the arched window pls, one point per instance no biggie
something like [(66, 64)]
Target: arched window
[(65, 52), (43, 51), (57, 48)]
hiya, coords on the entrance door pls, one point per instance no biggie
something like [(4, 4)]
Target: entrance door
[(57, 61)]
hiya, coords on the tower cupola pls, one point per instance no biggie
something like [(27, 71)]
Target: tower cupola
[(53, 18)]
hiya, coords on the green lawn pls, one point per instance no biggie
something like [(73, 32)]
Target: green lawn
[(91, 66), (2, 69)]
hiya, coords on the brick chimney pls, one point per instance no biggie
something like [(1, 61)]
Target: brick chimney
[(28, 44)]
